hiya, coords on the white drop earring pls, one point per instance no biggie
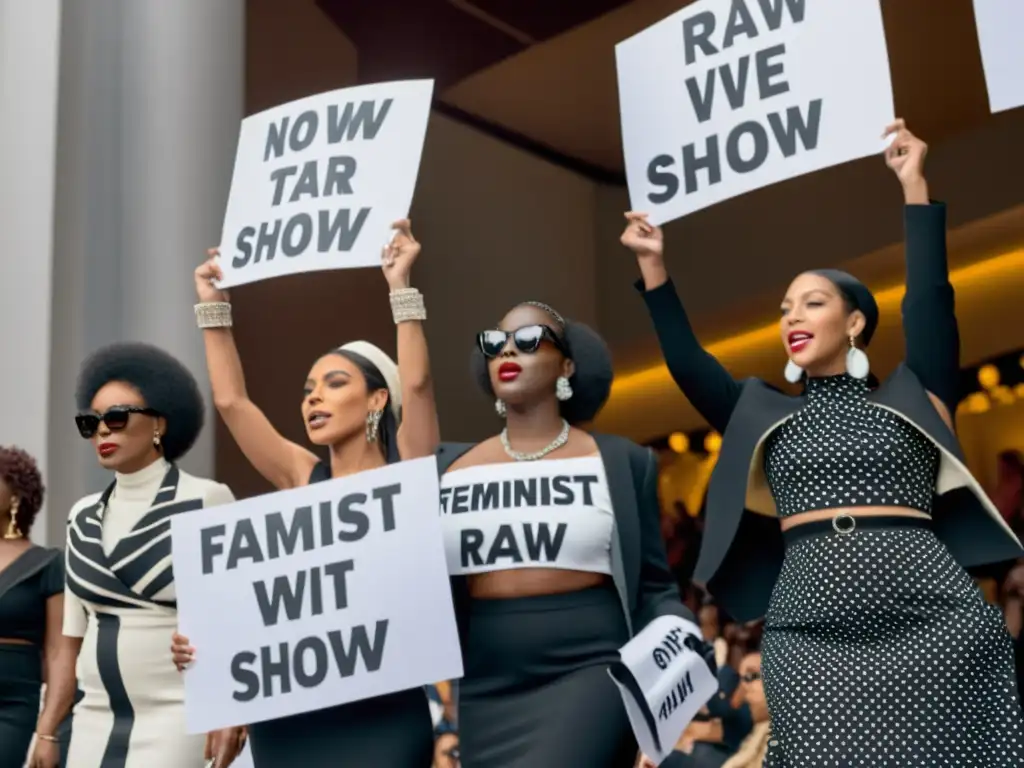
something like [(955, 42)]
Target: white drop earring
[(563, 389), (857, 363), (499, 408), (793, 372)]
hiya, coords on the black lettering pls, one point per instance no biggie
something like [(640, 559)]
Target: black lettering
[(326, 524), (340, 170), (562, 485), (460, 500), (303, 130), (735, 87), (244, 544), (283, 594), (244, 247), (307, 183), (506, 493), (316, 598), (281, 536), (340, 228), (209, 547), (304, 225), (759, 135), (696, 31), (543, 540), (766, 70), (372, 655), (350, 514), (244, 676), (470, 543), (504, 545), (702, 101), (275, 139), (445, 493), (266, 242), (320, 662), (386, 496), (711, 161), (741, 22), (271, 669), (545, 491), (347, 125), (586, 481), (785, 135), (279, 176), (658, 178), (338, 571), (525, 490), (772, 10)]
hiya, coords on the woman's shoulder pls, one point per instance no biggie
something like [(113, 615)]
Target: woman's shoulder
[(210, 491), (84, 503)]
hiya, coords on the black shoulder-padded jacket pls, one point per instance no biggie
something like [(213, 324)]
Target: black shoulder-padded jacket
[(742, 548), (640, 569)]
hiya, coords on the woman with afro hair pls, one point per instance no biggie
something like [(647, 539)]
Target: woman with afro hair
[(141, 410), (542, 615), (32, 648), (367, 411)]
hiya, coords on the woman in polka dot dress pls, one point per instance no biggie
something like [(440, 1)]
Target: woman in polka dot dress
[(846, 517)]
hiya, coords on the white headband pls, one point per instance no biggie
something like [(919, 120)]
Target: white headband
[(387, 369)]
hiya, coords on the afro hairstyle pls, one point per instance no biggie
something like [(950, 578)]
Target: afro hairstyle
[(591, 381), (165, 384), (21, 474)]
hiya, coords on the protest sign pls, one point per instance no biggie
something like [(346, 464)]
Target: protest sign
[(530, 514), (319, 181), (313, 597), (663, 683), (727, 96), (1001, 38)]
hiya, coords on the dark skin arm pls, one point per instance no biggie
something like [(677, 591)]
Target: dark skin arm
[(60, 656)]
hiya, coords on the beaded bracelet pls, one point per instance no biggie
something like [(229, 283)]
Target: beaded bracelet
[(407, 304), (213, 314)]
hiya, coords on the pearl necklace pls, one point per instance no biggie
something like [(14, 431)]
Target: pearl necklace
[(558, 442)]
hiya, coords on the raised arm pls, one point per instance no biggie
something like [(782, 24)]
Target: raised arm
[(704, 381), (283, 463), (419, 434), (930, 328)]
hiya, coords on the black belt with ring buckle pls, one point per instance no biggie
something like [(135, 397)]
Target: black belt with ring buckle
[(844, 524)]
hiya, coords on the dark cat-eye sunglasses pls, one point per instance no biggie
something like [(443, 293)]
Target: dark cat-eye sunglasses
[(527, 339), (116, 419)]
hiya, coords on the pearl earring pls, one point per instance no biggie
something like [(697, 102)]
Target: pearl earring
[(793, 372), (857, 363), (563, 389), (499, 408)]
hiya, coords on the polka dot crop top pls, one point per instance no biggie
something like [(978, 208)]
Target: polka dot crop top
[(841, 451)]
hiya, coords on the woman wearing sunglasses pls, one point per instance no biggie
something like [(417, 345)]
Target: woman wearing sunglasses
[(31, 614), (553, 537), (141, 410), (368, 412)]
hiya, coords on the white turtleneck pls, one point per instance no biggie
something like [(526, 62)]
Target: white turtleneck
[(132, 497)]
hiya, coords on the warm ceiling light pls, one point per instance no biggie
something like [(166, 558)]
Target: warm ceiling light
[(1002, 395), (1019, 391), (977, 403), (713, 442), (988, 376), (679, 442)]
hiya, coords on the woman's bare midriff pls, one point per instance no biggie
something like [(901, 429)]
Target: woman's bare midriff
[(529, 582), (827, 514), (14, 641)]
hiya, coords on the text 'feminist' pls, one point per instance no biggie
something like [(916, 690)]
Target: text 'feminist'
[(333, 228), (748, 144)]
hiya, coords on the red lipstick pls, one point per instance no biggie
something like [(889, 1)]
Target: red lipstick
[(106, 449), (798, 340), (509, 371)]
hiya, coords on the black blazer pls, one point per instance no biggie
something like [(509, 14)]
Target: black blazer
[(742, 548), (640, 569)]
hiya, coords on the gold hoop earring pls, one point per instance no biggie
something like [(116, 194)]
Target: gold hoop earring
[(12, 527)]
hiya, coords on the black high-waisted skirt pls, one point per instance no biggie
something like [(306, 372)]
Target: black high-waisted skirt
[(392, 731), (21, 677), (880, 652), (536, 691)]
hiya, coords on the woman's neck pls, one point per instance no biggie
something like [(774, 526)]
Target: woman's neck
[(831, 368), (531, 429), (355, 455)]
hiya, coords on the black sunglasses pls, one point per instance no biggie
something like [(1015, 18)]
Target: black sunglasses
[(751, 677), (116, 418), (527, 339)]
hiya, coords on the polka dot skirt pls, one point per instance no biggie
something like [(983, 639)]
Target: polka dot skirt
[(839, 450), (879, 650)]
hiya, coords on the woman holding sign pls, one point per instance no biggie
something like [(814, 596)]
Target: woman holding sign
[(141, 409), (878, 647), (369, 412), (553, 536)]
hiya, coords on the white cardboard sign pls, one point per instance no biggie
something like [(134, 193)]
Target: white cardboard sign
[(727, 96), (314, 597), (663, 684), (1001, 38), (319, 181)]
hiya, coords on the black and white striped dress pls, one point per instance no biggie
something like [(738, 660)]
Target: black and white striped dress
[(120, 600)]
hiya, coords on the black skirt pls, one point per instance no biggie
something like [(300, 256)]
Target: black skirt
[(21, 677), (536, 690), (880, 651), (392, 731)]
